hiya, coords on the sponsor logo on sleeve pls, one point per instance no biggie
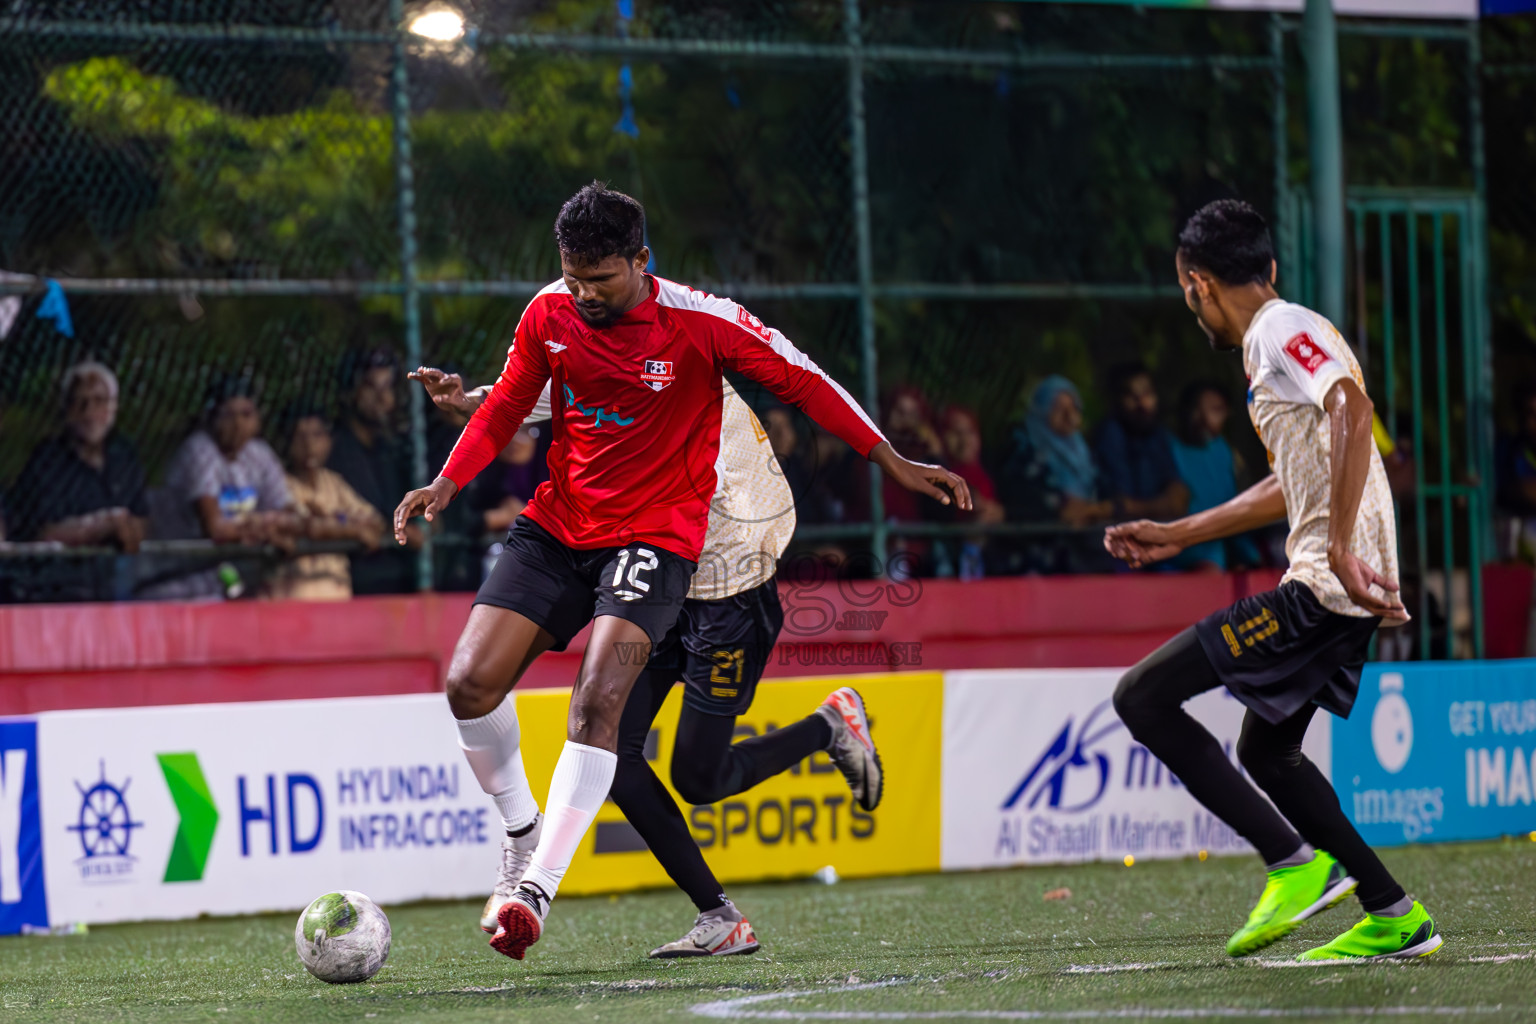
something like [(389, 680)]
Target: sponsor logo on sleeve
[(1307, 353), (657, 374), (753, 324)]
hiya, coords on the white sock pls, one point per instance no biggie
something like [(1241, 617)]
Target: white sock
[(491, 745), (583, 776)]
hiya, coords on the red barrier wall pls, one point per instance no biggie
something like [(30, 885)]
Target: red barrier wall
[(110, 655)]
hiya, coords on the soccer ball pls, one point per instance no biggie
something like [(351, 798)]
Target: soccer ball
[(342, 936)]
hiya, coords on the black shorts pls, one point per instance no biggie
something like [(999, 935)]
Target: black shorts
[(719, 649), (562, 589), (1279, 651)]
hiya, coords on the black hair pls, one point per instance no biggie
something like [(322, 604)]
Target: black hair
[(599, 222), (1230, 240), (1190, 397), (296, 410), (230, 385), (1120, 377), (357, 363)]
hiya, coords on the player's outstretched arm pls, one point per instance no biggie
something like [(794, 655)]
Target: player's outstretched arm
[(429, 501), (935, 481), (447, 390), (765, 355), (1144, 542), (1349, 465)]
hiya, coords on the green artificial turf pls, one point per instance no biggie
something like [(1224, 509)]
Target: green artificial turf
[(1131, 942)]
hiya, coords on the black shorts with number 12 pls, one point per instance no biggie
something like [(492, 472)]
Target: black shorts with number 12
[(561, 589)]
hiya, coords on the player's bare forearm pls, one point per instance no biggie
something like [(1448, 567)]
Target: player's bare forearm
[(1349, 460), (922, 478), (427, 501), (1142, 542), (1259, 505)]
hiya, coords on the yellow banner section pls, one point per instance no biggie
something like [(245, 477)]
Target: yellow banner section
[(791, 825)]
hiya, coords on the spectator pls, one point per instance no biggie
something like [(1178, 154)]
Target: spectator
[(84, 486), (368, 453), (508, 484), (329, 509), (960, 433), (1208, 467), (838, 491), (1135, 454), (225, 482), (784, 438), (1050, 476), (908, 422)]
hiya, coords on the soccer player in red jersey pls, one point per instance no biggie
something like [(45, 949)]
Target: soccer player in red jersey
[(613, 537)]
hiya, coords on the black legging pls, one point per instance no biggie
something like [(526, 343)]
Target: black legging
[(706, 767), (1150, 701)]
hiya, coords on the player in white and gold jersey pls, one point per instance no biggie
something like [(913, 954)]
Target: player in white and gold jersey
[(1288, 652), (719, 649)]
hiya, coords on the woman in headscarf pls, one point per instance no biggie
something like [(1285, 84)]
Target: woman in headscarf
[(1050, 476)]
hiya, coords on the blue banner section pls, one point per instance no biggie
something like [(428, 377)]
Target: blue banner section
[(1508, 6), (23, 899), (1440, 751)]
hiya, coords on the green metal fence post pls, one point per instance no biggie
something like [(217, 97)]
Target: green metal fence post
[(1324, 124), (1416, 380), (1447, 489), (405, 198), (1477, 514), (1388, 358), (1480, 398), (859, 146), (1278, 129)]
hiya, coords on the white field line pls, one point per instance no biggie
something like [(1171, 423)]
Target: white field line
[(1502, 958), (743, 1008)]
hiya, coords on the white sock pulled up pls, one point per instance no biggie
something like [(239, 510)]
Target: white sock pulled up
[(492, 746), (582, 778)]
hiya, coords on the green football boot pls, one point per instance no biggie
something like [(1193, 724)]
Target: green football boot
[(1290, 897), (1383, 938)]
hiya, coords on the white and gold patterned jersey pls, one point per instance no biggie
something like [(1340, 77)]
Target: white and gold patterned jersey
[(1293, 356), (752, 512)]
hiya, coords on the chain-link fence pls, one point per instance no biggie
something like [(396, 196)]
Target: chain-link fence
[(959, 198)]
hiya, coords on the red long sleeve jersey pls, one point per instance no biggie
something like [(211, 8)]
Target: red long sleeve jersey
[(637, 407)]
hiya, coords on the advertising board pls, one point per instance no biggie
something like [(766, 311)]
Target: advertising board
[(23, 890), (1038, 769), (1439, 751), (171, 812), (791, 825)]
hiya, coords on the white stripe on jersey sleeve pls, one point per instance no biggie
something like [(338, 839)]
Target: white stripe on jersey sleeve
[(680, 296)]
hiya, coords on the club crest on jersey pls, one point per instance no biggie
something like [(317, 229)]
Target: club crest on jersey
[(1307, 353), (753, 324), (657, 374)]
